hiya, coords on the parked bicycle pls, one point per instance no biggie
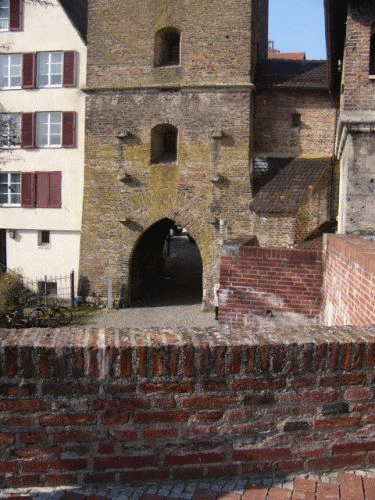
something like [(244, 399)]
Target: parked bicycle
[(51, 315)]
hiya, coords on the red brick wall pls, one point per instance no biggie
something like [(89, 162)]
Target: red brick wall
[(255, 280), (113, 406), (349, 281)]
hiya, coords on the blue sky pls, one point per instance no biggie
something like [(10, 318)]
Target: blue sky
[(298, 26)]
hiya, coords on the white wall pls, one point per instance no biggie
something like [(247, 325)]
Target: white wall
[(46, 28)]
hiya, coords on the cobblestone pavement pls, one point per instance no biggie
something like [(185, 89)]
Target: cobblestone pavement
[(356, 485), (164, 316)]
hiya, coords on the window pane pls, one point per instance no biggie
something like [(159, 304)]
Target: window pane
[(4, 14), (50, 69), (49, 129)]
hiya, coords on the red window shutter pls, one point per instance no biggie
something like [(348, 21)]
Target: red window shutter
[(28, 130), (55, 190), (70, 69), (28, 189), (69, 129), (42, 189), (15, 15), (28, 71)]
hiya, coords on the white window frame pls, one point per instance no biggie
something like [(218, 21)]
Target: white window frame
[(11, 67), (10, 137), (51, 69), (10, 190), (4, 15), (46, 126)]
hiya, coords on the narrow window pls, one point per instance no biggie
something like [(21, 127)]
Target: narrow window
[(43, 238), (10, 188), (167, 47), (372, 54), (49, 130), (296, 120), (164, 144), (10, 71), (10, 130), (49, 69)]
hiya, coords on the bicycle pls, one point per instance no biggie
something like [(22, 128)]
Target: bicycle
[(51, 315)]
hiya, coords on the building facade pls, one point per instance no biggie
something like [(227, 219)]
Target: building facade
[(43, 66), (352, 58), (168, 132)]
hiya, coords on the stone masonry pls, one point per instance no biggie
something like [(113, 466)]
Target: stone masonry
[(206, 95)]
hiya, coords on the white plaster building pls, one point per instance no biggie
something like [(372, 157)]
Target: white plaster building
[(42, 69)]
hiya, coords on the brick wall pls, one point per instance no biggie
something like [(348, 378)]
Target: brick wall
[(349, 279), (255, 280), (273, 131), (215, 42), (111, 406), (358, 89)]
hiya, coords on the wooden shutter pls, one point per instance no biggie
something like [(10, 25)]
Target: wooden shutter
[(48, 189), (15, 15), (28, 189), (69, 129), (42, 189), (28, 130), (54, 189), (70, 69), (28, 70)]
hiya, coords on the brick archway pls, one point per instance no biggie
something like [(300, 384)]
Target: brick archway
[(165, 267)]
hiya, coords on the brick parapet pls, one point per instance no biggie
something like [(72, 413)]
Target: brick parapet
[(255, 280), (349, 278), (108, 405)]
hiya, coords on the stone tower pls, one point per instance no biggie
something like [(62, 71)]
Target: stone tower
[(168, 131)]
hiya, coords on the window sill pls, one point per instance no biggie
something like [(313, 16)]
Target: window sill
[(11, 88), (44, 246), (371, 77)]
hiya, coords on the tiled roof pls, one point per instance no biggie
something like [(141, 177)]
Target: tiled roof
[(288, 190), (288, 56), (291, 74)]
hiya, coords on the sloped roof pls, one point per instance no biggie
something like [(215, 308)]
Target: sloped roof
[(77, 12), (288, 190), (291, 74)]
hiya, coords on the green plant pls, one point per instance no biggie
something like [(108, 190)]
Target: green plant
[(11, 290)]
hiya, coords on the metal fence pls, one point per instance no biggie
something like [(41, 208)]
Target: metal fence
[(60, 288)]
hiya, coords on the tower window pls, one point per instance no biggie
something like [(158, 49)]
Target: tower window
[(372, 54), (164, 144), (296, 120), (167, 47)]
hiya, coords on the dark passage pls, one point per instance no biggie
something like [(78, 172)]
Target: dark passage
[(165, 270)]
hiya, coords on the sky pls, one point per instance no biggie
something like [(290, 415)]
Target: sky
[(298, 26)]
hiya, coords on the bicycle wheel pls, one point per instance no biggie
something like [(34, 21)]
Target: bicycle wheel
[(38, 317), (63, 315)]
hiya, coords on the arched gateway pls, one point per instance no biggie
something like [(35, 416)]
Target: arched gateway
[(165, 267)]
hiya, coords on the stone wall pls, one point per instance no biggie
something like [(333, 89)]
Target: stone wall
[(125, 194), (274, 134), (215, 42), (113, 406), (349, 279), (264, 281)]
